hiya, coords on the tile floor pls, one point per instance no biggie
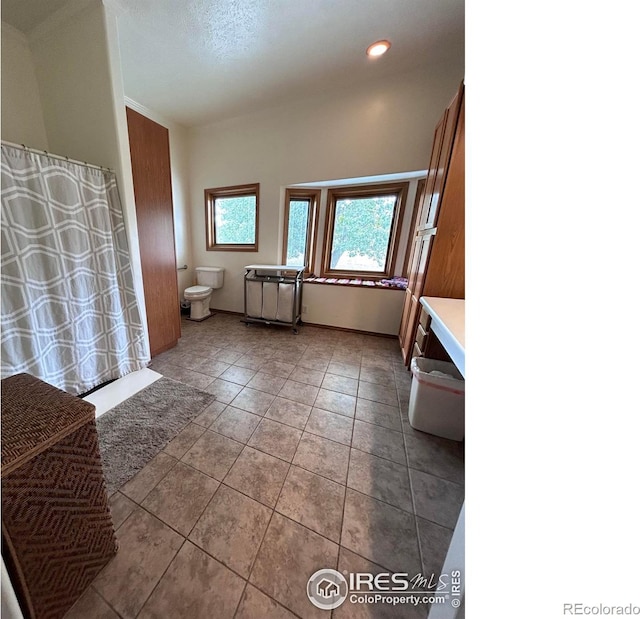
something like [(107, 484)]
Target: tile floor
[(305, 461)]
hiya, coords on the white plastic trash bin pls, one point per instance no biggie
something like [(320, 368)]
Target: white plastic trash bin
[(436, 402)]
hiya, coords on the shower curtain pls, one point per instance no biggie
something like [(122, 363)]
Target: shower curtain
[(69, 311)]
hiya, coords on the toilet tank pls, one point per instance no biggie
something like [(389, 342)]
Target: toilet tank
[(210, 276)]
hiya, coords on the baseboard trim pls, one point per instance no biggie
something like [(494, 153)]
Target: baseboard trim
[(313, 324)]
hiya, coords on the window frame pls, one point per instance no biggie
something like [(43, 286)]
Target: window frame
[(233, 191), (400, 190), (420, 194), (313, 195)]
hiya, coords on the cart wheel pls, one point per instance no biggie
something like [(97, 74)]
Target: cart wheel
[(295, 331)]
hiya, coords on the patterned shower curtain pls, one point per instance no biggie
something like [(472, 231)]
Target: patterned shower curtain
[(69, 311)]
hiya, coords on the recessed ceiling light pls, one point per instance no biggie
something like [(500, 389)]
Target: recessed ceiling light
[(378, 48)]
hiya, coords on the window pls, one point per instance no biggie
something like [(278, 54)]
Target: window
[(300, 224), (232, 218), (420, 195), (362, 229)]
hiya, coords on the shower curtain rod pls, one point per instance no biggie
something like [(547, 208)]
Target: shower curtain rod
[(37, 151)]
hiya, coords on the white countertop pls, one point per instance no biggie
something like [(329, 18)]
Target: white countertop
[(447, 322), (274, 267)]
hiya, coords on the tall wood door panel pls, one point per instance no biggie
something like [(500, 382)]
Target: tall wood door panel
[(448, 249), (421, 252), (436, 264), (151, 166)]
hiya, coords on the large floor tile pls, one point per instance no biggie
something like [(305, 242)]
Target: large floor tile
[(236, 424), (287, 411), (121, 507), (228, 355), (267, 382), (91, 605), (330, 425), (380, 376), (287, 355), (253, 401), (251, 361), (213, 454), (289, 555), (276, 439), (313, 361), (184, 375), (298, 392), (378, 413), (210, 414), (231, 529), (184, 440), (314, 501), (209, 366), (435, 455), (224, 390), (256, 605), (307, 376), (278, 368), (322, 456), (350, 370), (236, 374), (335, 402), (195, 585), (379, 441), (378, 393), (343, 384), (258, 475), (380, 478), (434, 544), (146, 547), (381, 533), (146, 479), (436, 499), (179, 499)]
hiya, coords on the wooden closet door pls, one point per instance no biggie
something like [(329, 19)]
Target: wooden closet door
[(151, 167)]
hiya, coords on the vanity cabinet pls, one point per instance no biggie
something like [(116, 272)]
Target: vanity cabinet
[(436, 263), (426, 343)]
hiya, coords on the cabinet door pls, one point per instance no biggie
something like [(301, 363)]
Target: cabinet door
[(446, 272), (438, 173), (436, 149), (411, 310)]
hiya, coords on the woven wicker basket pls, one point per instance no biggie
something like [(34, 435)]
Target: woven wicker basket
[(57, 530)]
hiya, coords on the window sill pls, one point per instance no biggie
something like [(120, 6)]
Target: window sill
[(386, 284)]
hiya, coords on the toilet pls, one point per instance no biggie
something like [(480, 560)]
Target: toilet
[(207, 278)]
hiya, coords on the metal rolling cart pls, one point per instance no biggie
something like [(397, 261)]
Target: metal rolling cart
[(273, 295)]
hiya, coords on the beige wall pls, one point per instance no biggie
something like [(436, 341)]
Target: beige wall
[(384, 128), (22, 118)]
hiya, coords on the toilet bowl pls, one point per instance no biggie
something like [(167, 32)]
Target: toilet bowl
[(208, 279)]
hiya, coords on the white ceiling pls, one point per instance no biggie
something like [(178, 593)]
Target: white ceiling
[(199, 61)]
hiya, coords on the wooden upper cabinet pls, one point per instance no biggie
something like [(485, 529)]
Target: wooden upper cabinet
[(436, 263), (445, 275)]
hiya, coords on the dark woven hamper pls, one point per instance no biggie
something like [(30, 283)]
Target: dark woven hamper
[(57, 531)]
